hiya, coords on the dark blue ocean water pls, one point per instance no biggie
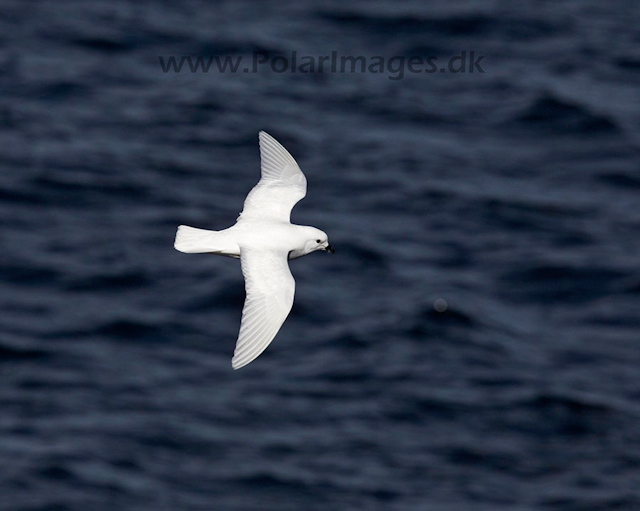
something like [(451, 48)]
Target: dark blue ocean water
[(513, 194)]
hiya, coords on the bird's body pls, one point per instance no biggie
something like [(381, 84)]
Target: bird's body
[(251, 234), (264, 239)]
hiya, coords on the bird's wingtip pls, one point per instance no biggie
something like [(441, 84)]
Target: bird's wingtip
[(262, 134), (235, 365)]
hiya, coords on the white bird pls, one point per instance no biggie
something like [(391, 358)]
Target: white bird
[(263, 237)]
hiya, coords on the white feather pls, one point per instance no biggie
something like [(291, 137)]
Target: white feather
[(270, 289), (281, 187)]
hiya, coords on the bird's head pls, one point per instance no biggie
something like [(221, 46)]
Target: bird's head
[(320, 242), (316, 240)]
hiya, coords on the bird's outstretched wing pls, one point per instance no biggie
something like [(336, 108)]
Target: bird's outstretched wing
[(282, 184), (270, 288)]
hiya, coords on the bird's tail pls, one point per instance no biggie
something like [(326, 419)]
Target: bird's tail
[(196, 241)]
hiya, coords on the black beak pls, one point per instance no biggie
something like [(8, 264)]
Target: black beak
[(330, 249)]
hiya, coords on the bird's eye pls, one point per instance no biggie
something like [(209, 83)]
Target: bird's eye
[(317, 241)]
